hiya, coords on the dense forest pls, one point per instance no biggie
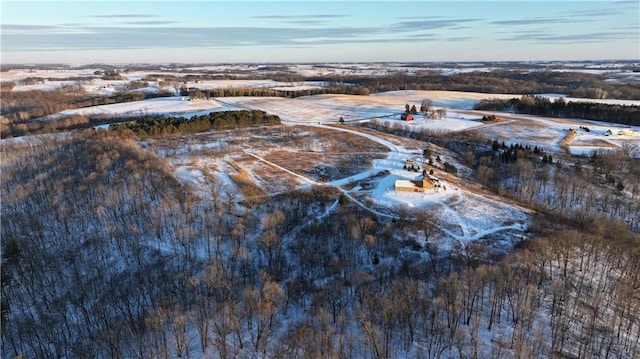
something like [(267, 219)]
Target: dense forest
[(168, 125), (108, 265), (542, 106)]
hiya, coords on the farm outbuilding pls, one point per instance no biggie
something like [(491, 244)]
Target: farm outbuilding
[(627, 132), (409, 163)]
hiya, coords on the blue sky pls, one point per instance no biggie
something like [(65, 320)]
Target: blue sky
[(80, 32)]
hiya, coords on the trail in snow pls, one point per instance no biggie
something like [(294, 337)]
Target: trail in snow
[(356, 177), (461, 222), (303, 178), (313, 182), (479, 235)]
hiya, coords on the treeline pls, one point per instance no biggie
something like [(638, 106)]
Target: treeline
[(51, 126), (543, 106), (27, 105), (574, 84), (165, 125), (20, 108), (334, 88), (510, 154)]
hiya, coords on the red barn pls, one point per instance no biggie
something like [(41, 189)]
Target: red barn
[(406, 117)]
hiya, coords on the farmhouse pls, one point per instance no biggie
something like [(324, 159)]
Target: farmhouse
[(406, 117), (422, 186)]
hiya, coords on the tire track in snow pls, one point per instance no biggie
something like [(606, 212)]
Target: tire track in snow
[(303, 178), (313, 182), (461, 222)]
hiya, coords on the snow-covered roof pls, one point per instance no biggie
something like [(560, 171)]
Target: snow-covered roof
[(406, 184)]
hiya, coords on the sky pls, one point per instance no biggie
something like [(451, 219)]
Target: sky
[(118, 32)]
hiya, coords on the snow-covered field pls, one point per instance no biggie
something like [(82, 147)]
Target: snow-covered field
[(386, 108), (515, 128), (48, 80), (550, 132), (162, 105)]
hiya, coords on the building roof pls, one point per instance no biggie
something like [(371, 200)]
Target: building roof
[(406, 183)]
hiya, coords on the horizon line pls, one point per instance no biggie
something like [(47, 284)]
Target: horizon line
[(632, 60)]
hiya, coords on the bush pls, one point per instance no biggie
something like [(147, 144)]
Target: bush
[(448, 167)]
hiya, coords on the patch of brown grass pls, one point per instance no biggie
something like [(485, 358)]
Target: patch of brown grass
[(243, 180), (271, 178), (592, 142), (570, 136)]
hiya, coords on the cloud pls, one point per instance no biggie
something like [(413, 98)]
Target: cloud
[(125, 16), (306, 22), (431, 23), (9, 30), (535, 21), (27, 28), (459, 39), (294, 17), (597, 12), (122, 37), (150, 22), (548, 38), (577, 16), (309, 20)]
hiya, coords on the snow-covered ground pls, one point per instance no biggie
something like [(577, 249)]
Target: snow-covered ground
[(108, 87), (515, 128), (321, 108), (329, 108), (162, 105), (48, 80), (614, 70), (382, 107), (463, 215), (550, 132), (452, 122)]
